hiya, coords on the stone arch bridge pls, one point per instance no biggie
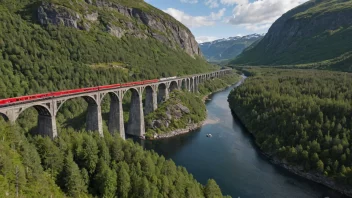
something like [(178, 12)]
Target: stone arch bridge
[(156, 93)]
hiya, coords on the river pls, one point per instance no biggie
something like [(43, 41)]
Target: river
[(232, 159)]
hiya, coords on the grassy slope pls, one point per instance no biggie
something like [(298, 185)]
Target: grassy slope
[(327, 49)]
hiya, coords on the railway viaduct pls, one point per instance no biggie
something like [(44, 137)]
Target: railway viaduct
[(156, 93)]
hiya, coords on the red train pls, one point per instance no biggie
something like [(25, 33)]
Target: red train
[(73, 91)]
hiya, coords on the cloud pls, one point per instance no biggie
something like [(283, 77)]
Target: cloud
[(233, 2), (212, 3), (189, 1), (259, 14), (203, 39), (218, 15), (195, 21)]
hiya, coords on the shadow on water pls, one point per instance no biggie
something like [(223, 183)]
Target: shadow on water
[(170, 146)]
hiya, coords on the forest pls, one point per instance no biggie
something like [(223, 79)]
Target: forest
[(36, 59), (303, 117), (82, 164)]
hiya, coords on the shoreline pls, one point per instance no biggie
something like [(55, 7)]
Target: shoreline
[(191, 127), (297, 170)]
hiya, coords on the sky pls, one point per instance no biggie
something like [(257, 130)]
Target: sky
[(215, 19)]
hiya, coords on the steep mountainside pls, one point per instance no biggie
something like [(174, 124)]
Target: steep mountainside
[(224, 49), (315, 34), (50, 45)]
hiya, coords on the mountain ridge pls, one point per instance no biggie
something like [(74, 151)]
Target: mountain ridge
[(227, 48), (312, 34), (50, 45)]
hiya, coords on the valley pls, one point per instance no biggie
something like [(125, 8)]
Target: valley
[(116, 98)]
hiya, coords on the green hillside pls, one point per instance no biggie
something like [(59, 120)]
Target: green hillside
[(70, 51), (81, 164), (301, 119), (313, 35)]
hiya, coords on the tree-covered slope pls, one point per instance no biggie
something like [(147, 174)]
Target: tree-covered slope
[(82, 164), (314, 34), (303, 118), (52, 45), (184, 110), (225, 49)]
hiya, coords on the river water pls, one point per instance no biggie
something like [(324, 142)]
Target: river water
[(232, 159)]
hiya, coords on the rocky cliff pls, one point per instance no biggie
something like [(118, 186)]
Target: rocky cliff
[(120, 18), (313, 32)]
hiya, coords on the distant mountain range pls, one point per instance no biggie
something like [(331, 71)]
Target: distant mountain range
[(227, 48), (316, 34)]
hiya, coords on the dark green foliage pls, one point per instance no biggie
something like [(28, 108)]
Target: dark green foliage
[(20, 165), (123, 169), (40, 59), (212, 190), (302, 116)]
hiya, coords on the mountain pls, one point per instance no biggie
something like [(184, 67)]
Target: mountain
[(224, 49), (49, 45), (314, 34)]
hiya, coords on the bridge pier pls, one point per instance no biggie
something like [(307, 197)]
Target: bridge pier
[(191, 85), (188, 84), (135, 124), (173, 86), (94, 120), (151, 103), (47, 126), (116, 122), (196, 83)]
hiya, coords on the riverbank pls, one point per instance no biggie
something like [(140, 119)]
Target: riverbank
[(297, 170), (193, 126)]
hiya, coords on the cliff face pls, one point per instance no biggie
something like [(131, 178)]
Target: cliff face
[(120, 19), (313, 32)]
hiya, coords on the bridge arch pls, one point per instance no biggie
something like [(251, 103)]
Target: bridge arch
[(184, 84), (188, 84), (135, 124), (163, 93), (191, 85), (4, 117), (93, 114), (150, 102), (173, 86), (111, 104), (46, 122)]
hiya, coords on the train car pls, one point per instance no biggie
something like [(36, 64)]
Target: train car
[(76, 91), (168, 78), (24, 98), (109, 86), (6, 101), (150, 81)]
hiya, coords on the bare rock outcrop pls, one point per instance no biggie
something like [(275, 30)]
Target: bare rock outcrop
[(128, 22)]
